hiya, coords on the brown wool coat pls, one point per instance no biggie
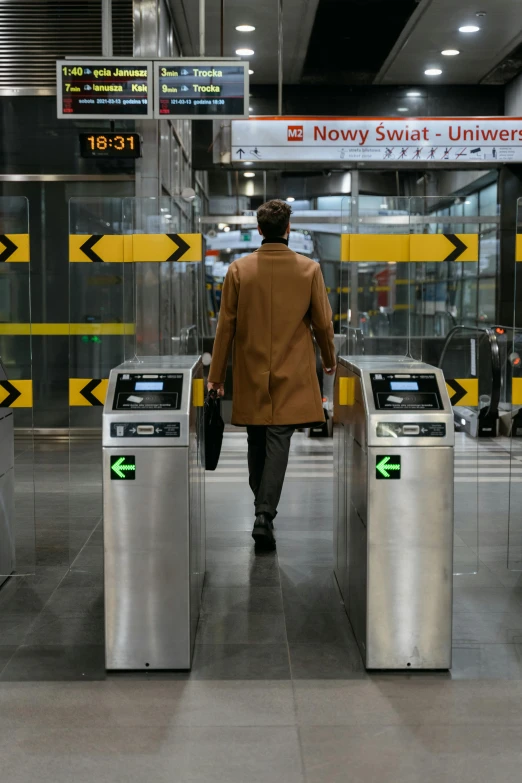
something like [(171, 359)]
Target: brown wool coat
[(271, 301)]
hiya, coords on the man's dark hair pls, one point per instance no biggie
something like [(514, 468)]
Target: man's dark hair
[(273, 218)]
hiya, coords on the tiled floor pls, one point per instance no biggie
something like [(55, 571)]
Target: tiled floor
[(277, 691)]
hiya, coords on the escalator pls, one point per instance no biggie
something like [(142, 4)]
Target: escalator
[(473, 352)]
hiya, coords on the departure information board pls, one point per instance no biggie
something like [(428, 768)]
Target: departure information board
[(200, 90), (104, 89)]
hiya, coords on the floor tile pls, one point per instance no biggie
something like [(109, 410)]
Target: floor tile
[(327, 661), (68, 601), (251, 599), (317, 628), (486, 599), (487, 627), (241, 662), (125, 701), (241, 628), (262, 571), (14, 629), (410, 754), (6, 653), (41, 663), (186, 755), (51, 630), (487, 661)]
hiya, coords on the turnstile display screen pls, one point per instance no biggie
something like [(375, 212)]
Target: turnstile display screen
[(406, 392), (141, 392)]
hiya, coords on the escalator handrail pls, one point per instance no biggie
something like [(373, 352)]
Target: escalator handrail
[(496, 375)]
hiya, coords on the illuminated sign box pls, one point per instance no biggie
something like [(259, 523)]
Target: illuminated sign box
[(104, 89), (110, 145), (205, 90)]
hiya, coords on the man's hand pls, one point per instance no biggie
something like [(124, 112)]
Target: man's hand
[(330, 370), (217, 387)]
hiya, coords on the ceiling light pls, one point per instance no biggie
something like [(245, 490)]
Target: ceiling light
[(469, 28), (249, 174), (244, 52), (250, 71), (221, 226), (433, 72), (290, 199), (245, 28), (248, 162), (226, 228), (450, 52), (413, 95), (402, 108)]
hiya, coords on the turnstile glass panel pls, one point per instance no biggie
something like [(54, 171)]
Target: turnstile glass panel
[(124, 304), (373, 309), (168, 305), (513, 387), (444, 267), (19, 458), (100, 324)]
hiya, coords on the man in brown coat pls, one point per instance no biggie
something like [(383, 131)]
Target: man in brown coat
[(273, 303)]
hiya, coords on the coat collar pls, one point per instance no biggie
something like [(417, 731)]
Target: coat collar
[(274, 247)]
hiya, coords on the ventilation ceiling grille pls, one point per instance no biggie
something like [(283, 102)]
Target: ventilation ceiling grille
[(35, 33)]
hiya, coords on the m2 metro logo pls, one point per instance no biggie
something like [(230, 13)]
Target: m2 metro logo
[(295, 133)]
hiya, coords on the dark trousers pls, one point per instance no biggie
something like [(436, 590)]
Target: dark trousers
[(268, 448)]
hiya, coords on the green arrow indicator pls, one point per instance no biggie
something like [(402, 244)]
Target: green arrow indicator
[(384, 466), (121, 469)]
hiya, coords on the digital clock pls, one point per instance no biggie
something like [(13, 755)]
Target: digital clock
[(110, 145)]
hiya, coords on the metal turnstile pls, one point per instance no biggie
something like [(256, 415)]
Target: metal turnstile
[(393, 530), (7, 534), (154, 512)]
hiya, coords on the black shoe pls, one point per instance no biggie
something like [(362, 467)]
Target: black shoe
[(263, 533)]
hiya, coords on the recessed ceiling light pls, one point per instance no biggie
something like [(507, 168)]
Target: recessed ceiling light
[(290, 199), (245, 28), (250, 71), (413, 95), (433, 72), (244, 52), (450, 52), (469, 28), (402, 108), (249, 174)]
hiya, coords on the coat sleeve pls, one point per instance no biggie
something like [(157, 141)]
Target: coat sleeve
[(226, 328), (321, 318)]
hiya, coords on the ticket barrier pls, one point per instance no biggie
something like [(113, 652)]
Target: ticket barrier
[(154, 512), (393, 447), (7, 534)]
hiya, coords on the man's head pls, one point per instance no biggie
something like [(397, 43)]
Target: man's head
[(274, 219)]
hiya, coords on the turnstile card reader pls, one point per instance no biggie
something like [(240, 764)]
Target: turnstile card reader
[(393, 451), (154, 512)]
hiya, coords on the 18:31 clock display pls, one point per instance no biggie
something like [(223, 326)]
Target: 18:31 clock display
[(110, 145)]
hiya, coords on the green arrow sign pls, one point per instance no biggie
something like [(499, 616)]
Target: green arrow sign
[(385, 469), (123, 468)]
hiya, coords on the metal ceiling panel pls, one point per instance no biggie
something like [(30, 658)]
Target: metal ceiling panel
[(435, 26), (299, 18), (35, 33)]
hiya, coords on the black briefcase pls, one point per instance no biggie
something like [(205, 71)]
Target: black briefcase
[(214, 428)]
